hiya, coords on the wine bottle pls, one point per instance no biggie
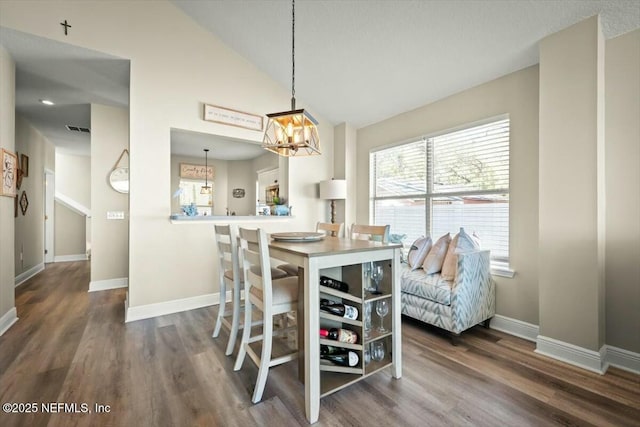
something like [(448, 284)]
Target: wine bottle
[(334, 284), (339, 309), (345, 358), (338, 334)]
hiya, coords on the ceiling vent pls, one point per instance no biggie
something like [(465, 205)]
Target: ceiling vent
[(78, 129)]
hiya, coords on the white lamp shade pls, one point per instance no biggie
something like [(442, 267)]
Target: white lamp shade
[(335, 189)]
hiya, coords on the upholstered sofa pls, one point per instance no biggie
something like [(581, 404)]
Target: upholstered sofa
[(454, 305)]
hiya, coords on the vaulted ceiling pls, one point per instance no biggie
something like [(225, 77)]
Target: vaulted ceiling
[(356, 61)]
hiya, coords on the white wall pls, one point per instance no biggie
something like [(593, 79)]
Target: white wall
[(29, 228), (7, 224), (73, 177), (241, 175), (571, 199), (109, 246), (517, 95), (70, 231), (622, 106), (176, 66)]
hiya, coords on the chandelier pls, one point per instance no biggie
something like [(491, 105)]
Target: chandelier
[(294, 132)]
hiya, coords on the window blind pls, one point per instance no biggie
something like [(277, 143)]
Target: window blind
[(436, 185)]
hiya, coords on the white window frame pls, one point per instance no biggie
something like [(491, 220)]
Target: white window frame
[(499, 265)]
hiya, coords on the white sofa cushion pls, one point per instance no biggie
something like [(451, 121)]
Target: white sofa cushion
[(427, 286), (418, 252), (435, 258)]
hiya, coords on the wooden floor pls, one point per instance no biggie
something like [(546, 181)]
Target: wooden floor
[(72, 346)]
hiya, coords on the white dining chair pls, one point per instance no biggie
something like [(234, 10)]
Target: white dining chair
[(271, 297), (370, 232)]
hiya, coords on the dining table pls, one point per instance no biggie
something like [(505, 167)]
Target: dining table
[(332, 255)]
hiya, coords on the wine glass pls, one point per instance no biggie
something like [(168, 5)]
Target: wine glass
[(376, 274), (377, 351), (368, 311), (367, 354), (382, 308), (367, 268)]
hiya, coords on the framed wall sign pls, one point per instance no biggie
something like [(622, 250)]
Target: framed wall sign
[(190, 171), (9, 173), (227, 116), (24, 165)]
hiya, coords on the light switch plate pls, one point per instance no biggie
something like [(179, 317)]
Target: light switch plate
[(115, 214)]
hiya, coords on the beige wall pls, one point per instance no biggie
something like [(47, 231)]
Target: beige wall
[(241, 175), (570, 175), (7, 224), (622, 168), (73, 174), (109, 246), (29, 228), (344, 167), (70, 231), (517, 95), (161, 99)]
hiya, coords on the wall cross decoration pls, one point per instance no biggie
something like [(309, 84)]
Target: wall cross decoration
[(66, 26)]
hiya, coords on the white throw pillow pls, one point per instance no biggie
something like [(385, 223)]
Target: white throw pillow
[(462, 242), (418, 252), (433, 261)]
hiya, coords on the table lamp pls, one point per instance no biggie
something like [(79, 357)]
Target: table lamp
[(334, 189)]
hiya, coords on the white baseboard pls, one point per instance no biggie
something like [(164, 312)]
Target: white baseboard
[(623, 359), (26, 275), (515, 327), (579, 356), (68, 258), (169, 307), (103, 285), (7, 320)]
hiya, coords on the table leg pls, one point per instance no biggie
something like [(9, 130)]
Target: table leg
[(300, 324), (312, 340)]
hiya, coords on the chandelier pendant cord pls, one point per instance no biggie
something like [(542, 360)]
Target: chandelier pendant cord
[(293, 54)]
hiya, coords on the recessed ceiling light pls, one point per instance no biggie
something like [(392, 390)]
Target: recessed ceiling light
[(46, 102)]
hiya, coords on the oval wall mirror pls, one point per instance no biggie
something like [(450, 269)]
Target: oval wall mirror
[(119, 179)]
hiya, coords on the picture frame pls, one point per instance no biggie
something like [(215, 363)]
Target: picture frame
[(9, 173), (24, 165), (191, 171), (24, 202), (230, 117), (15, 206), (271, 192)]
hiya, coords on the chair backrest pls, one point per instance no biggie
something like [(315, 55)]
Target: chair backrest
[(254, 256), (370, 232), (336, 230), (227, 241)]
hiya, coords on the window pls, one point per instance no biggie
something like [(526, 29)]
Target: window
[(191, 194), (440, 183)]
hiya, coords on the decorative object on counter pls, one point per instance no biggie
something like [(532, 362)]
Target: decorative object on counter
[(9, 173), (119, 175), (227, 116), (24, 202), (297, 236), (334, 189), (281, 210), (238, 193), (294, 132), (190, 210), (206, 188)]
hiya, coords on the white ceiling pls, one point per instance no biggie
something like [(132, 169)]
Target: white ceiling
[(364, 61), (356, 61), (191, 144)]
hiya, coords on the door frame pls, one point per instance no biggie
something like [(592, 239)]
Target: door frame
[(49, 215)]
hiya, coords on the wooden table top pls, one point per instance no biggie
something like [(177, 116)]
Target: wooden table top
[(330, 245)]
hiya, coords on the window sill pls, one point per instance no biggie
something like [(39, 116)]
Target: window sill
[(502, 271)]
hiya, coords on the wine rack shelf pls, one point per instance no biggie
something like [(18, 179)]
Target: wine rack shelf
[(335, 377)]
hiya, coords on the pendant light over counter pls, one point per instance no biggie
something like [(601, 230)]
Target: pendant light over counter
[(294, 132), (206, 188)]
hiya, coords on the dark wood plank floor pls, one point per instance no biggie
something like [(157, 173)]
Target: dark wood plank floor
[(71, 346)]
